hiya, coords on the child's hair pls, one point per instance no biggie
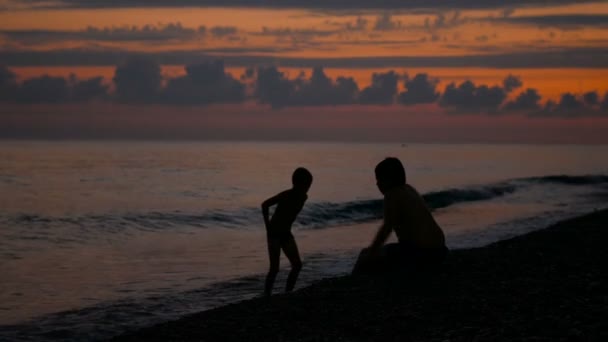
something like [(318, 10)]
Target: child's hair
[(302, 177), (391, 172)]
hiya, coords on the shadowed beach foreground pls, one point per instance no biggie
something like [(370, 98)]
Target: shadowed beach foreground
[(548, 285)]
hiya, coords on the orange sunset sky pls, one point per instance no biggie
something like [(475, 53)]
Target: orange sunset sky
[(556, 50)]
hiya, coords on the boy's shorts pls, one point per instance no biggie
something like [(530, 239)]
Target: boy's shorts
[(404, 254), (401, 256)]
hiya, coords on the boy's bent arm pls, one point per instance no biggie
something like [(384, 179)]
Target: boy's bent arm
[(387, 226), (381, 236), (267, 204), (265, 215)]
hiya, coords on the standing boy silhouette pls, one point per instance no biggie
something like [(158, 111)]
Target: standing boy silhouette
[(278, 228)]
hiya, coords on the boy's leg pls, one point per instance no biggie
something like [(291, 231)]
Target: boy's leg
[(274, 254), (362, 265), (290, 248), (368, 264), (395, 255)]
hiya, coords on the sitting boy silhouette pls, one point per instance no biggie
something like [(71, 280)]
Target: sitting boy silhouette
[(421, 240), (278, 228)]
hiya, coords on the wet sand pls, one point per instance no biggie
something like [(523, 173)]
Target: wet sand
[(548, 285)]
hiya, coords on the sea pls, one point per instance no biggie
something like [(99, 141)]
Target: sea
[(101, 237)]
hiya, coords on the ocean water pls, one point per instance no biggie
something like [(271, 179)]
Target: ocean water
[(100, 237)]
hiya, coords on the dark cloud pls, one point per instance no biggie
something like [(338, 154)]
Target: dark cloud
[(154, 33), (569, 102), (549, 108), (604, 104), (420, 89), (7, 76), (321, 90), (444, 21), (389, 43), (511, 83), (234, 50), (88, 89), (383, 89), (591, 98), (527, 100), (223, 31), (273, 87), (468, 96), (43, 89), (138, 80), (309, 4), (507, 12), (249, 74), (360, 24), (8, 84), (435, 38), (204, 83), (50, 89), (289, 32), (551, 58), (565, 21), (384, 22), (570, 106)]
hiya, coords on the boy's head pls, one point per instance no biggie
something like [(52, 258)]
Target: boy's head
[(389, 174), (301, 179)]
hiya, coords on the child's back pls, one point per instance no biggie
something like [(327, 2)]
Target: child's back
[(407, 213), (289, 204)]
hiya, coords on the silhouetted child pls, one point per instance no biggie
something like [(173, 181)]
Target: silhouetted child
[(278, 228), (421, 240)]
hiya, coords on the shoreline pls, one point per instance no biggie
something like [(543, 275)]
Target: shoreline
[(549, 284)]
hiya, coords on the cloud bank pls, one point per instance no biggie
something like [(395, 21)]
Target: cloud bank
[(140, 81)]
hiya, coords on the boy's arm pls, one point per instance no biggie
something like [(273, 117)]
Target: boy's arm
[(381, 236), (385, 229), (267, 204)]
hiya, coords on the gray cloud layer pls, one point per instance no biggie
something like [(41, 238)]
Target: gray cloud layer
[(309, 4), (567, 21), (553, 58), (151, 33)]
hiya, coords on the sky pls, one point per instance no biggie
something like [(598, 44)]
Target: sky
[(386, 70)]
